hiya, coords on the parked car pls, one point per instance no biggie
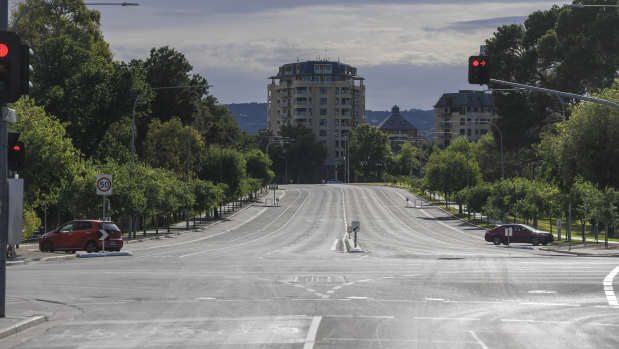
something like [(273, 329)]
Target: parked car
[(520, 233), (82, 235)]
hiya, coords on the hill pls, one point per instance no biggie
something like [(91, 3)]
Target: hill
[(253, 117)]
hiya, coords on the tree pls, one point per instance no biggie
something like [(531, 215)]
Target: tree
[(258, 166), (562, 49), (166, 146), (168, 67), (51, 158), (404, 162), (302, 157), (370, 151), (586, 145)]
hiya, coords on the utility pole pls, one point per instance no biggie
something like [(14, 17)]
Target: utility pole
[(4, 186)]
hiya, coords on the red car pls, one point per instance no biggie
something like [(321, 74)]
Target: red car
[(82, 235), (520, 233)]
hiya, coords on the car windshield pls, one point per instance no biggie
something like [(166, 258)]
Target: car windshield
[(529, 227)]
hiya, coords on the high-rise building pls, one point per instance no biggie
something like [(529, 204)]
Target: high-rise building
[(327, 97), (466, 113)]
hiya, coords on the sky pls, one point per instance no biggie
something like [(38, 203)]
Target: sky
[(409, 52)]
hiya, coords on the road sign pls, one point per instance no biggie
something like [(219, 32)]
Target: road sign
[(508, 232), (356, 225), (272, 186), (102, 234), (104, 184)]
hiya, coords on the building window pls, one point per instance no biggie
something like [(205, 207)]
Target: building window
[(322, 133), (337, 143), (337, 122), (323, 101), (323, 122), (323, 111), (468, 132), (462, 132), (462, 122), (323, 90)]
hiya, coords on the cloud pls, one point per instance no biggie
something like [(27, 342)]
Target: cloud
[(249, 40)]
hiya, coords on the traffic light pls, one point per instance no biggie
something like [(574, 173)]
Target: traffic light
[(10, 67), (479, 70), (16, 152)]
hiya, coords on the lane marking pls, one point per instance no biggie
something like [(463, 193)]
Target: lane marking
[(446, 318), (608, 287), (312, 332), (536, 321), (481, 343)]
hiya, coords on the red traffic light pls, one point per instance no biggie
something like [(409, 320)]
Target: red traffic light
[(4, 50), (475, 63), (478, 63), (16, 147)]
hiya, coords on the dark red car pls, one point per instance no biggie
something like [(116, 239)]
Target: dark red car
[(520, 233), (82, 235)]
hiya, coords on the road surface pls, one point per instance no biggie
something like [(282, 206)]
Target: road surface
[(274, 277)]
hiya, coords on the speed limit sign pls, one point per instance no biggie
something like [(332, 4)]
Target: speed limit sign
[(104, 184)]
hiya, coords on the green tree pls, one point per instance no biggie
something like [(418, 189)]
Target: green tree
[(404, 162), (51, 158), (370, 151), (562, 49), (167, 67), (303, 156), (258, 166), (586, 145)]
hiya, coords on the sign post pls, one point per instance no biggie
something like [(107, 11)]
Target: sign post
[(356, 225), (508, 234), (104, 188)]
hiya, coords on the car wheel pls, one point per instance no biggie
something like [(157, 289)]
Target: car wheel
[(496, 240), (47, 247), (535, 240), (91, 247)]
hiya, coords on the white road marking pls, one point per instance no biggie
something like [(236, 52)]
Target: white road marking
[(535, 321), (334, 246), (608, 287), (446, 318), (482, 344), (312, 332)]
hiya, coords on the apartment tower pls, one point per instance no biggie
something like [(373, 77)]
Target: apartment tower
[(326, 96)]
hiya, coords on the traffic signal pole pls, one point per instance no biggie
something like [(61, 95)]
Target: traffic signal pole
[(4, 187)]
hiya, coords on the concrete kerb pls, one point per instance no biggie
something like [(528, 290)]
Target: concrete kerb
[(22, 325)]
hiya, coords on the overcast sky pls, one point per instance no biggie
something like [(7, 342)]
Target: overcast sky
[(409, 52)]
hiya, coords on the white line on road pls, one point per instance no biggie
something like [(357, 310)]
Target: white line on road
[(484, 346), (312, 332), (608, 283)]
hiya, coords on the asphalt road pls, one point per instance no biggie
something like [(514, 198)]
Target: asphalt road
[(273, 277)]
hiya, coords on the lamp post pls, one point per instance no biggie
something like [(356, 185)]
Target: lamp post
[(131, 228), (124, 3)]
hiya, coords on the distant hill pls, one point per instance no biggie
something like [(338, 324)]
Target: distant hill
[(253, 117)]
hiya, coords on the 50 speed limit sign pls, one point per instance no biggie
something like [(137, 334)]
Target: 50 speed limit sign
[(104, 184)]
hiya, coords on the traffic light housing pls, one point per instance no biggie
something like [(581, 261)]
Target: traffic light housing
[(26, 69), (15, 153), (10, 67), (479, 70)]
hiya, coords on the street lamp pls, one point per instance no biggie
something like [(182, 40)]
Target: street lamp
[(346, 156), (281, 141), (131, 230), (124, 3)]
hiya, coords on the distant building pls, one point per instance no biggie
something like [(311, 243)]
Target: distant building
[(325, 96), (398, 129), (466, 113)]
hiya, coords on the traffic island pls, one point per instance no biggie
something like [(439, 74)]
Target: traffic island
[(82, 254)]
